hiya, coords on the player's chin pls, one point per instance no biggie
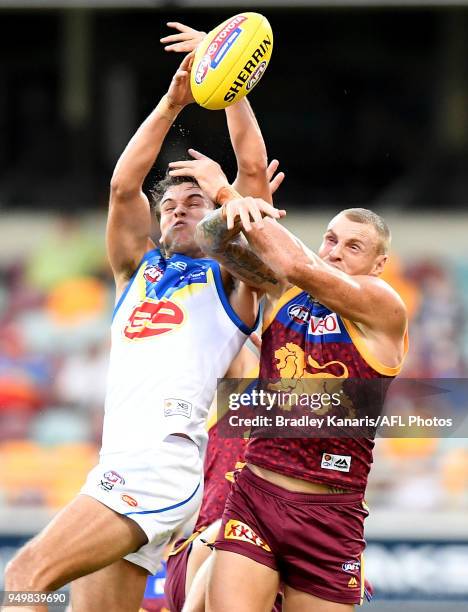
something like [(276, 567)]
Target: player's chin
[(184, 245)]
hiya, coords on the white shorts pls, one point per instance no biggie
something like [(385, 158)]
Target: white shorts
[(159, 489)]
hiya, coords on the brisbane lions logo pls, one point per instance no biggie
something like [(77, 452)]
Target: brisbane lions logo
[(292, 363), (152, 318)]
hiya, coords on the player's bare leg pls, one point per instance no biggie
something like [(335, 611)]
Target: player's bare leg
[(298, 601), (196, 576), (119, 586), (238, 584), (196, 595), (84, 537)]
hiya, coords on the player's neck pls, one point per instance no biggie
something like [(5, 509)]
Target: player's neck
[(194, 253)]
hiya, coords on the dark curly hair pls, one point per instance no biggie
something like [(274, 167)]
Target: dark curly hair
[(160, 187)]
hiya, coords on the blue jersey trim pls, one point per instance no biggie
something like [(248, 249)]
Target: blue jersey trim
[(232, 314), (165, 509), (145, 257)]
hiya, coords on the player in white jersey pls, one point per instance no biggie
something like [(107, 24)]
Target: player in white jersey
[(179, 321)]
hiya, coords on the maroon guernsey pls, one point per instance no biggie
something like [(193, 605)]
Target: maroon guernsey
[(304, 339)]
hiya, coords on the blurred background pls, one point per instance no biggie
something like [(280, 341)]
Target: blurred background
[(365, 103)]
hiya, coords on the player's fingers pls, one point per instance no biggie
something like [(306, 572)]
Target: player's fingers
[(181, 172), (187, 62), (255, 213), (180, 77), (197, 154), (230, 217), (172, 38), (177, 47), (276, 182), (272, 168), (183, 163), (179, 26), (269, 210), (256, 340), (245, 218)]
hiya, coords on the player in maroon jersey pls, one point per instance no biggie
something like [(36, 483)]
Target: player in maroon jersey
[(296, 512)]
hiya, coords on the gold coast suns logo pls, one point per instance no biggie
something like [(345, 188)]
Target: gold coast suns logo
[(152, 318)]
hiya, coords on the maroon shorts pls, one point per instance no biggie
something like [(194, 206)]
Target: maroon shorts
[(174, 588), (315, 542)]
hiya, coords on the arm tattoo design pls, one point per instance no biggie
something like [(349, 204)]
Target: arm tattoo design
[(231, 249)]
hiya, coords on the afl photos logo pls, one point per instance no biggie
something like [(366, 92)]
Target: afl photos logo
[(152, 318)]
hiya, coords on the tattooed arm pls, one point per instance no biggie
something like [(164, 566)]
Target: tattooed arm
[(231, 249)]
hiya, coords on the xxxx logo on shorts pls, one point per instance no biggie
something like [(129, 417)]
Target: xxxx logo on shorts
[(152, 317), (235, 530)]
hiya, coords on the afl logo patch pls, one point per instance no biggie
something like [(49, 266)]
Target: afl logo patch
[(202, 69), (299, 314), (257, 75), (153, 273), (352, 567)]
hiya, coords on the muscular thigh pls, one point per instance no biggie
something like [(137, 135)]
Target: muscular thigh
[(118, 587), (298, 601), (239, 584), (84, 537)]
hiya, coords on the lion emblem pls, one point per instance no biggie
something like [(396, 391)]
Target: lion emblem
[(293, 368), (292, 364)]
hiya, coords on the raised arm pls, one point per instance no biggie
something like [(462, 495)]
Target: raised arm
[(129, 219), (231, 249), (244, 131), (250, 151)]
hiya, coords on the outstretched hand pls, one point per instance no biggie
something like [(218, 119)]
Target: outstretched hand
[(186, 41), (204, 170), (248, 210), (179, 92), (211, 179)]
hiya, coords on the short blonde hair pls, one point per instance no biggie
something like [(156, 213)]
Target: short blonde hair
[(364, 215)]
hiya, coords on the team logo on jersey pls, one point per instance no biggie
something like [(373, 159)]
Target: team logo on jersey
[(353, 583), (235, 530), (129, 500), (340, 463), (299, 314), (320, 326), (352, 567), (174, 407), (153, 273), (292, 362), (152, 318)]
